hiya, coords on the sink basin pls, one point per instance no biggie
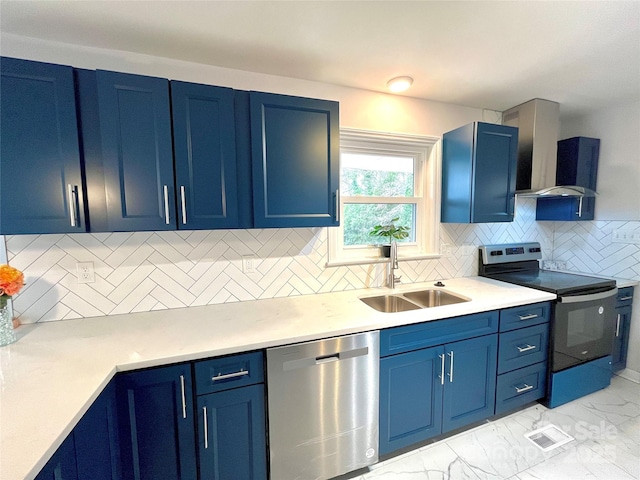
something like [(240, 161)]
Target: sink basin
[(390, 303), (434, 298), (407, 301)]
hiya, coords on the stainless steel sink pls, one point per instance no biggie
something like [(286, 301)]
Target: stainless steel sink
[(434, 298), (404, 302), (390, 304)]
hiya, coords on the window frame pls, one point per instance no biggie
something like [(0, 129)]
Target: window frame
[(426, 151)]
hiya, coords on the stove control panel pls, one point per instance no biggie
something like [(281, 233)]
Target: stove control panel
[(510, 252)]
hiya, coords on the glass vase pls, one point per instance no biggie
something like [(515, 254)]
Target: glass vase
[(7, 334)]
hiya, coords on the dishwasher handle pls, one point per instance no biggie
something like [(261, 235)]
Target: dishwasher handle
[(324, 359)]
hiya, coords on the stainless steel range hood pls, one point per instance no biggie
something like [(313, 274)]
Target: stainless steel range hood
[(538, 123)]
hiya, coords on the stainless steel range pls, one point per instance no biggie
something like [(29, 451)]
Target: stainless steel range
[(582, 324)]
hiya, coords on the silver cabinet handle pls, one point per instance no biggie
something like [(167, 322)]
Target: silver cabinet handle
[(451, 366), (184, 398), (241, 373), (71, 194), (184, 205), (441, 369), (622, 299), (338, 205), (526, 349), (206, 427), (524, 389), (618, 326), (528, 317), (580, 207), (165, 190)]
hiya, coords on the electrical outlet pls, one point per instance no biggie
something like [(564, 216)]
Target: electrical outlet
[(86, 272), (248, 264), (468, 249), (445, 250)]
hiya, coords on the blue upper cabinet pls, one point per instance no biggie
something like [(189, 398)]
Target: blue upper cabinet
[(40, 174), (137, 156), (205, 156), (295, 155), (479, 173), (577, 165)]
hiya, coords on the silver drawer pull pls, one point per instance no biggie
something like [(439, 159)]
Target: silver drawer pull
[(622, 299), (526, 388), (206, 427), (526, 349), (450, 366), (618, 326), (241, 373), (165, 191), (183, 202), (184, 398), (441, 369), (528, 317)]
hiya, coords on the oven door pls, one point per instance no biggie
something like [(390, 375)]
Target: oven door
[(583, 328)]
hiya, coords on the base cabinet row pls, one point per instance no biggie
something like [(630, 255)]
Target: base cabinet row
[(207, 419), (150, 425), (497, 363)]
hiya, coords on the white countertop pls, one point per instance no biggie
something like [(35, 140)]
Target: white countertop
[(54, 372)]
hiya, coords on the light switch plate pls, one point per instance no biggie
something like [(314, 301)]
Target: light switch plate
[(626, 236), (248, 264)]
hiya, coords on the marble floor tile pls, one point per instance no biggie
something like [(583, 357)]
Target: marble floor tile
[(434, 462), (620, 445), (500, 449), (577, 463), (616, 404)]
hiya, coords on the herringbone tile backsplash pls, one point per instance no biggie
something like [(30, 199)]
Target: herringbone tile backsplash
[(145, 271)]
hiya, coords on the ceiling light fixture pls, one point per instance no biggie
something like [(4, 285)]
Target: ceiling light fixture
[(399, 84)]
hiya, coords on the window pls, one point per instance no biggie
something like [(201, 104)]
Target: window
[(382, 177)]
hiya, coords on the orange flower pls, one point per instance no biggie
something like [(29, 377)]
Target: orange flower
[(11, 280)]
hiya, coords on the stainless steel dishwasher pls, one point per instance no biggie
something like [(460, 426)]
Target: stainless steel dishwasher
[(323, 407)]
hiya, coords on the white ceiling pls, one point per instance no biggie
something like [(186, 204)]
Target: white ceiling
[(583, 54)]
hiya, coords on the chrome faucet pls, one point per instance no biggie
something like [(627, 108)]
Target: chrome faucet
[(393, 265)]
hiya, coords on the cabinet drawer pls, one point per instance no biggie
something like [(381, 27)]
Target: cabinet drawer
[(437, 332), (523, 347), (224, 373), (520, 387), (524, 316), (624, 297)]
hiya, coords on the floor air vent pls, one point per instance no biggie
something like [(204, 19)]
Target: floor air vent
[(548, 438)]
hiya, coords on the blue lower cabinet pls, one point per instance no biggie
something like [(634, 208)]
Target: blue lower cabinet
[(578, 381), (434, 390), (232, 434), (156, 423), (62, 466), (410, 398), (96, 439), (470, 386), (621, 339)]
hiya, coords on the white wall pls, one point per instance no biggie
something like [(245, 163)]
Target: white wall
[(618, 129), (358, 108)]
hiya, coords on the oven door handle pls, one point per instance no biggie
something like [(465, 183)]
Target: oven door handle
[(589, 298)]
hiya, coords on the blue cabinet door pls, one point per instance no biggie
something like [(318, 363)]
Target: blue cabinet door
[(295, 156), (621, 339), (157, 428), (40, 176), (479, 173), (470, 385), (411, 387), (577, 165), (137, 154), (231, 434), (205, 156), (62, 465), (96, 439)]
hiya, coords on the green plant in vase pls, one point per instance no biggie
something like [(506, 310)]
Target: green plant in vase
[(391, 232)]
